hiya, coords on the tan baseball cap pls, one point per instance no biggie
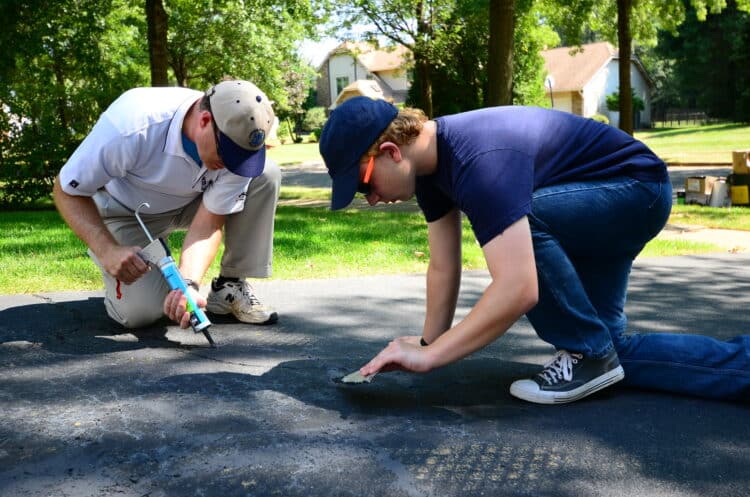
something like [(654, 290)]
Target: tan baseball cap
[(243, 116)]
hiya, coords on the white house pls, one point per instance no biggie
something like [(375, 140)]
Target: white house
[(582, 78), (354, 65)]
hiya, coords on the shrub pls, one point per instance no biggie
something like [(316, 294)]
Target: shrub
[(613, 102), (600, 118), (314, 119), (283, 133)]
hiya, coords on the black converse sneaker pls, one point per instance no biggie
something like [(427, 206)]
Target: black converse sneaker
[(238, 298), (569, 377)]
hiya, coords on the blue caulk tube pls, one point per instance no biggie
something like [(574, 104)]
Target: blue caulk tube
[(198, 319)]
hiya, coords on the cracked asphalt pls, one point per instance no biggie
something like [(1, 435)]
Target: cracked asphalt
[(90, 409)]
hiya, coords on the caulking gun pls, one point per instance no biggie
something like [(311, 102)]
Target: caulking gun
[(157, 254)]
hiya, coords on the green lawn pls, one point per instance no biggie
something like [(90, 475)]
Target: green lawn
[(38, 253), (687, 144), (295, 153), (697, 144)]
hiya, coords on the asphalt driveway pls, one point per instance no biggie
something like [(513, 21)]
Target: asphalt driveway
[(89, 409)]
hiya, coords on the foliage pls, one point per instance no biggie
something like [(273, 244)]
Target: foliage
[(613, 102), (709, 65), (63, 62), (462, 84), (254, 40), (314, 119), (600, 118), (56, 82), (423, 27), (530, 38), (297, 81)]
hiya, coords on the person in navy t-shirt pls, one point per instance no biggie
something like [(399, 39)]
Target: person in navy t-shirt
[(561, 206)]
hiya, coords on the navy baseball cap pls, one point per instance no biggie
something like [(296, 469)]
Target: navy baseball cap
[(351, 129)]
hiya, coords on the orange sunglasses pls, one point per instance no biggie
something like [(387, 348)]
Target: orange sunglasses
[(364, 186)]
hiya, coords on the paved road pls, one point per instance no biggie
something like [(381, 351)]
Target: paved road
[(314, 174), (89, 409)]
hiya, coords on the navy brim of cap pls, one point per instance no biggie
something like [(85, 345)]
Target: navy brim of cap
[(242, 162), (344, 187)]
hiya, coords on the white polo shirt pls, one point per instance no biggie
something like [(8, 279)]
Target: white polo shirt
[(135, 152)]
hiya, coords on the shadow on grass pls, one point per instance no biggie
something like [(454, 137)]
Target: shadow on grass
[(657, 133)]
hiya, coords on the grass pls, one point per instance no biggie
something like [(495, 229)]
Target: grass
[(697, 144), (304, 193), (38, 253), (295, 153), (730, 218)]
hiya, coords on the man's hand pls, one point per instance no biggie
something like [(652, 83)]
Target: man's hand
[(404, 354), (175, 306), (123, 263)]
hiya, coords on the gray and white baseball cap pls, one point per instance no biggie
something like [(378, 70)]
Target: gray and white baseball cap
[(243, 116)]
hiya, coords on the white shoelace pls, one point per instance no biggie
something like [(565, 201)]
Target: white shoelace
[(247, 291), (560, 367)]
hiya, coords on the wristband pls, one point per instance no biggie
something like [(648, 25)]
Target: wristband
[(423, 343), (193, 284)]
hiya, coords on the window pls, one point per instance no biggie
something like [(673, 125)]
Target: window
[(341, 83)]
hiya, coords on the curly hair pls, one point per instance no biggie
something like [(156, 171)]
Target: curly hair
[(403, 130)]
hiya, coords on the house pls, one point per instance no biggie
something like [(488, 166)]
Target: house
[(360, 62), (581, 79)]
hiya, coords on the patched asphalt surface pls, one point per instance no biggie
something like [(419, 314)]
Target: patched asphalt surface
[(90, 409)]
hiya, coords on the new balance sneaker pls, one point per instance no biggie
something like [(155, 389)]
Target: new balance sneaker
[(237, 297), (569, 377)]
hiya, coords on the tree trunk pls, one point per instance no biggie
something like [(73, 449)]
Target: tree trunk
[(625, 40), (500, 60), (423, 15), (425, 88), (156, 18)]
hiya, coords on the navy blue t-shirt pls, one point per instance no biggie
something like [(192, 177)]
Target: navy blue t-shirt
[(490, 161)]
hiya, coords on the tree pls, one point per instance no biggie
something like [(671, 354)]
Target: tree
[(640, 21), (254, 40), (292, 109), (708, 64), (157, 21), (500, 60), (64, 62), (420, 25), (56, 82), (625, 42)]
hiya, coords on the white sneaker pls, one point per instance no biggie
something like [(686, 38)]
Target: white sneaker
[(237, 297)]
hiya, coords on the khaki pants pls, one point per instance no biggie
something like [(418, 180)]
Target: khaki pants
[(248, 246)]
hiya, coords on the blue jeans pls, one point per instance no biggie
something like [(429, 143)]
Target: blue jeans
[(585, 237)]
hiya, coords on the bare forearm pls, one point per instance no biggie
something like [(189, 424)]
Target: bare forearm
[(493, 314), (442, 295), (197, 254), (512, 293), (201, 244), (81, 214), (443, 274)]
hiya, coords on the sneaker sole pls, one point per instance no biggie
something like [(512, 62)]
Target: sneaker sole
[(546, 397), (229, 316)]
